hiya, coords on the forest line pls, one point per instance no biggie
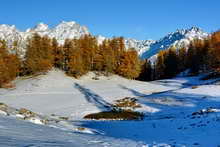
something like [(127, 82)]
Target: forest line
[(79, 56)]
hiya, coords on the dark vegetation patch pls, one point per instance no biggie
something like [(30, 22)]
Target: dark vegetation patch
[(194, 87), (213, 75), (205, 111), (116, 115), (63, 118), (122, 109)]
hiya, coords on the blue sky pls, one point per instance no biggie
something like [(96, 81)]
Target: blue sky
[(140, 19)]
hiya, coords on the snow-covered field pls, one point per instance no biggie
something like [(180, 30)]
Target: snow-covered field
[(178, 112)]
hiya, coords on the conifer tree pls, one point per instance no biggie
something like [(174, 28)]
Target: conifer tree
[(129, 64), (13, 63), (192, 61), (118, 48), (197, 56), (67, 47), (99, 59), (3, 49), (39, 56), (58, 54), (146, 71), (109, 61), (160, 66), (9, 64), (215, 51), (182, 59), (3, 67), (88, 45), (3, 73), (171, 63), (75, 64)]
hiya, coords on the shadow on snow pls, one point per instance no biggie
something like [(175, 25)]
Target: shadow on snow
[(137, 130), (93, 98)]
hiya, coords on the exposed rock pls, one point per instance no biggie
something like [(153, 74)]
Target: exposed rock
[(26, 113)]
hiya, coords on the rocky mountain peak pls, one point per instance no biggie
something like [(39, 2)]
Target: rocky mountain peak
[(69, 30)]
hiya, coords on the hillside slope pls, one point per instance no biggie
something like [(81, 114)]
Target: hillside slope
[(56, 93), (178, 112), (16, 133)]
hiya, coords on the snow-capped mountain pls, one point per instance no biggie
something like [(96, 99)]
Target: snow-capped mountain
[(70, 30), (141, 46), (150, 48), (9, 33), (178, 39), (64, 30)]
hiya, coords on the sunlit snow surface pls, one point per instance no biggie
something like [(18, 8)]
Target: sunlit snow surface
[(168, 106)]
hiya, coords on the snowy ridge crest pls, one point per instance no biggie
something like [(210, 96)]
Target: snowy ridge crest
[(150, 48), (70, 30), (178, 39), (64, 30)]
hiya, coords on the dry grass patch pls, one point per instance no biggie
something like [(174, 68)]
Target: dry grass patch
[(121, 110), (26, 113), (3, 107), (194, 87), (81, 129), (127, 102), (8, 86)]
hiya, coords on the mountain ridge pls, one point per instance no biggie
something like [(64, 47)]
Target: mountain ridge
[(71, 29)]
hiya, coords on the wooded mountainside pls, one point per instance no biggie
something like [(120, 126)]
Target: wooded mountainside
[(79, 56)]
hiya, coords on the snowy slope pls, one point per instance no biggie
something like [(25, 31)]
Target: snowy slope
[(180, 38), (16, 133), (141, 46), (178, 112), (69, 95)]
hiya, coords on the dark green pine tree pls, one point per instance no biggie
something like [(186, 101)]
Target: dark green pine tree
[(146, 71)]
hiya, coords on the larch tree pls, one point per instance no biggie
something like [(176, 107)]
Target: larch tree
[(9, 64), (129, 65), (75, 64), (39, 55), (109, 60), (98, 59), (215, 51), (88, 45), (160, 66), (58, 54)]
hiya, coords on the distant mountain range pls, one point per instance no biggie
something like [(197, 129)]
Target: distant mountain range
[(70, 30)]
